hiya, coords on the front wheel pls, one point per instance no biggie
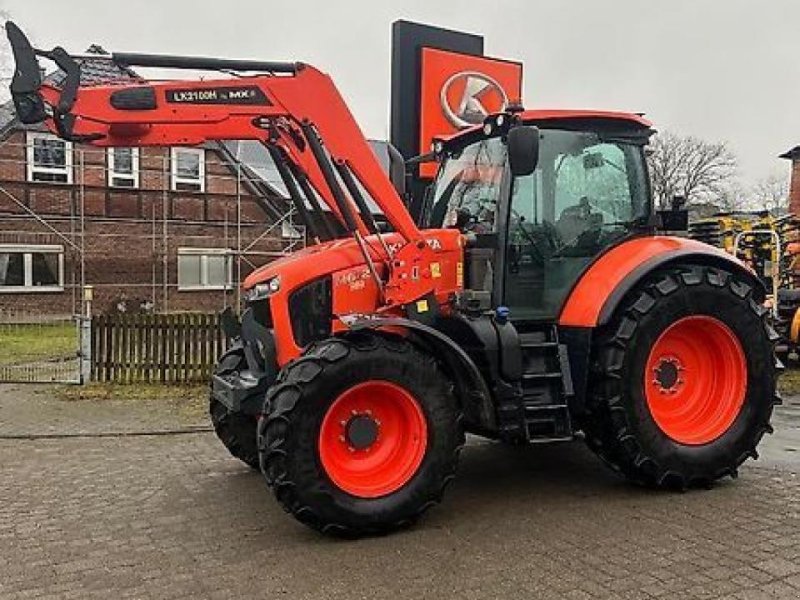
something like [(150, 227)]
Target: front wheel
[(683, 379), (360, 436)]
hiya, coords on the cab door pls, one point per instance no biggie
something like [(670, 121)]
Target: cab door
[(576, 203)]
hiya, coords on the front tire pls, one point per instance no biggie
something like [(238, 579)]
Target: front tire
[(360, 436), (683, 379)]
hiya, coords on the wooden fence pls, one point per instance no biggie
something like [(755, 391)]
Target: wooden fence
[(172, 348)]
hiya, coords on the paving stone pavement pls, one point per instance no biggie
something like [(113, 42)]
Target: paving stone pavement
[(30, 410), (176, 517)]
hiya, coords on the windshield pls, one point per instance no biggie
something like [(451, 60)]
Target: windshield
[(468, 185)]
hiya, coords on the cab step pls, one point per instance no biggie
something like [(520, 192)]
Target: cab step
[(541, 411)]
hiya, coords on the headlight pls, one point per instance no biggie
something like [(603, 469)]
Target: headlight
[(263, 290)]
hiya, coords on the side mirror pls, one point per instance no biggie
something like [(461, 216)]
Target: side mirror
[(523, 150)]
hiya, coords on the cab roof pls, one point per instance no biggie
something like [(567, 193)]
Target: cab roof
[(553, 117), (560, 114)]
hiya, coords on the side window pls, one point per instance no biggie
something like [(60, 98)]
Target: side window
[(595, 182)]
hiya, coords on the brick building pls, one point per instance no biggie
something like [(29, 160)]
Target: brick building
[(162, 229), (794, 185)]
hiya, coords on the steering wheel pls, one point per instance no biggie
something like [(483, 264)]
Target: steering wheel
[(546, 232)]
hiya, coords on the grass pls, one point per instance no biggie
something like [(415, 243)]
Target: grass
[(187, 400), (789, 382), (22, 343)]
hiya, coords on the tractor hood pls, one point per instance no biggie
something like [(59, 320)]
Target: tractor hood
[(319, 260)]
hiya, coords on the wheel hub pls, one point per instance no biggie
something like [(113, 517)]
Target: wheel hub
[(361, 431), (668, 375)]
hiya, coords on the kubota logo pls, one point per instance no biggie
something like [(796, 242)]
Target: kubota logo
[(469, 97)]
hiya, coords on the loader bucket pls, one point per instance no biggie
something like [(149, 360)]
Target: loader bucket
[(27, 78)]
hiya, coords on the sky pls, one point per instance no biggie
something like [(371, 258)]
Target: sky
[(722, 70)]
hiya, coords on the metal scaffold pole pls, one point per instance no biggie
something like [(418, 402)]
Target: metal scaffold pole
[(238, 234), (165, 234), (85, 315)]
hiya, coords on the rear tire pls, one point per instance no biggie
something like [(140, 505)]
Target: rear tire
[(328, 480), (236, 431), (686, 315)]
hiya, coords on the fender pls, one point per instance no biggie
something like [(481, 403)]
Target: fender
[(471, 388), (601, 288)]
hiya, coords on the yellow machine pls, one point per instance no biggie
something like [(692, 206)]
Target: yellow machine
[(771, 246)]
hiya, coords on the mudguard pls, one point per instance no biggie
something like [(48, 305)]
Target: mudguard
[(471, 388), (601, 288)]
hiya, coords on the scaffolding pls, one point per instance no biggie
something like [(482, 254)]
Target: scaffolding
[(237, 207)]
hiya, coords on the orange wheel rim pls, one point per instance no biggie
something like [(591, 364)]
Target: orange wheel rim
[(373, 439), (695, 380)]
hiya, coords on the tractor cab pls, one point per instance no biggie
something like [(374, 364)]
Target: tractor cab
[(533, 233)]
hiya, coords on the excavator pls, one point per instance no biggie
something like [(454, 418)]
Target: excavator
[(534, 301)]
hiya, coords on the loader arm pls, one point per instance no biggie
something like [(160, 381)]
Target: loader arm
[(292, 107), (180, 115)]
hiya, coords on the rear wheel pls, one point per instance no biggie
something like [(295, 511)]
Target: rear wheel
[(236, 431), (683, 379), (360, 436)]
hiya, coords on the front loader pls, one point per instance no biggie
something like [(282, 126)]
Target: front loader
[(536, 300)]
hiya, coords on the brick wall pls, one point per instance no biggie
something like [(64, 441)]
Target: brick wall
[(794, 186), (128, 232)]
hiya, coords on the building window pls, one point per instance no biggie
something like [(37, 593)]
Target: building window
[(123, 167), (49, 158), (188, 169), (31, 268), (204, 269)]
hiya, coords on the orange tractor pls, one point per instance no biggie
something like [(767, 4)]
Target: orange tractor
[(534, 301)]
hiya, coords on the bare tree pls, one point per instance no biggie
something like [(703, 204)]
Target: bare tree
[(771, 193), (687, 166), (733, 197)]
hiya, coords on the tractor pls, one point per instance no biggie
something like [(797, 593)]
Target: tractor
[(533, 301)]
